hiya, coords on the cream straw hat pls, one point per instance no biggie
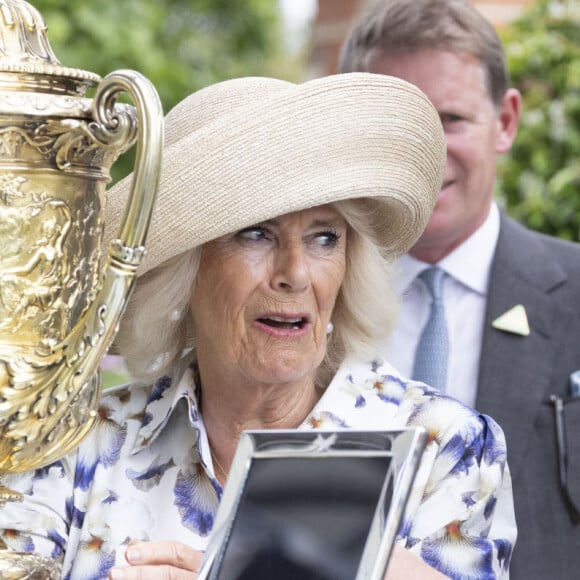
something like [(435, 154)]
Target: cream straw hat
[(246, 150)]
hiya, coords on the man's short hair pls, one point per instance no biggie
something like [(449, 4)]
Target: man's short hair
[(402, 26)]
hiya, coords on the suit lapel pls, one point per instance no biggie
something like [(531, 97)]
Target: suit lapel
[(515, 371)]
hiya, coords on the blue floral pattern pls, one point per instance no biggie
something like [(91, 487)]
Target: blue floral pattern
[(145, 472)]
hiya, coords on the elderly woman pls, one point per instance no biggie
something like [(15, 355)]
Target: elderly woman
[(266, 286)]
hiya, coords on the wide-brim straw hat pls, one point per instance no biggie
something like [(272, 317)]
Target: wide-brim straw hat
[(246, 150)]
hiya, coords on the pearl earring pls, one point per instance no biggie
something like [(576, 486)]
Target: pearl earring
[(329, 328)]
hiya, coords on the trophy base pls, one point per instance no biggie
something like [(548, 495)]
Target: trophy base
[(23, 566)]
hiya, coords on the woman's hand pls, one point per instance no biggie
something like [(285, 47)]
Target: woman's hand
[(176, 561), (158, 561), (405, 566)]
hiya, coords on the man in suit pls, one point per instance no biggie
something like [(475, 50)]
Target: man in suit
[(511, 296)]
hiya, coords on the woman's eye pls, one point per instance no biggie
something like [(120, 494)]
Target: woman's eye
[(254, 233), (327, 239)]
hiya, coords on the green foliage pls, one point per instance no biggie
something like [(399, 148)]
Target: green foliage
[(539, 182), (179, 45)]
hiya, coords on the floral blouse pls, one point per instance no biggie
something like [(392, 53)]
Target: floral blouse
[(145, 472)]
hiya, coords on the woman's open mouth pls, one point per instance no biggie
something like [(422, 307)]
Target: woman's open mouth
[(281, 322)]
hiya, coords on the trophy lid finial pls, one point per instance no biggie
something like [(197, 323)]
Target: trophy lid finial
[(26, 58)]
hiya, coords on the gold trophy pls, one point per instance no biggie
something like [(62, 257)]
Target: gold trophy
[(60, 298)]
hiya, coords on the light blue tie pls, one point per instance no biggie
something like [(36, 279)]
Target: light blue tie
[(433, 348)]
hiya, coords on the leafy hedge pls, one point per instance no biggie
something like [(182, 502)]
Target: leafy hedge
[(539, 181)]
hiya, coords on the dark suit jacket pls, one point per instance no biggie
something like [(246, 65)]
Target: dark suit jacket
[(516, 378)]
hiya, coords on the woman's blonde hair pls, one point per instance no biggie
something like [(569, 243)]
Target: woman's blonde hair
[(157, 328)]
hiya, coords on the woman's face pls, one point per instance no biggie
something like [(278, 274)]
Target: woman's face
[(264, 296)]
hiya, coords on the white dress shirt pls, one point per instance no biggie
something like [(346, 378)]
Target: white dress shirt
[(464, 294)]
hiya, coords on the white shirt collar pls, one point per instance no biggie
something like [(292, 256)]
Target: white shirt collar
[(469, 264)]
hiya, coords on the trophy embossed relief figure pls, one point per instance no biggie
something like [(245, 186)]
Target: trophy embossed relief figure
[(62, 286)]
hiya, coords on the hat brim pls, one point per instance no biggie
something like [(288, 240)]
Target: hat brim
[(245, 151)]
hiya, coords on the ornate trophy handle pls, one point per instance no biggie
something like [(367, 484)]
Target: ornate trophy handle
[(116, 128)]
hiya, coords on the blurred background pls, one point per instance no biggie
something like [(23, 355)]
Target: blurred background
[(183, 45)]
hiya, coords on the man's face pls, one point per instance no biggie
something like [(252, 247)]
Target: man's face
[(475, 132)]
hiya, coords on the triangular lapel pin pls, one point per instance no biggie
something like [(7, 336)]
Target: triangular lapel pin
[(515, 320)]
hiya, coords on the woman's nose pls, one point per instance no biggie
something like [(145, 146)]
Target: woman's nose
[(291, 271)]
